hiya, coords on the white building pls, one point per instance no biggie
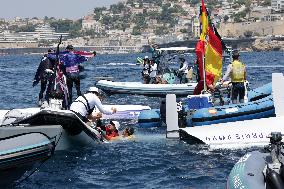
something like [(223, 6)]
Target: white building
[(88, 23), (277, 5), (43, 32)]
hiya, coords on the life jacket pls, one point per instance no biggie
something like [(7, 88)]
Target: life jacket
[(110, 133), (238, 71), (87, 106)]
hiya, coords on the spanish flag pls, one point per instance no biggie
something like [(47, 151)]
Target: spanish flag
[(213, 55), (203, 22), (208, 51)]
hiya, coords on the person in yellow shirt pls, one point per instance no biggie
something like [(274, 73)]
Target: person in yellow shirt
[(237, 72)]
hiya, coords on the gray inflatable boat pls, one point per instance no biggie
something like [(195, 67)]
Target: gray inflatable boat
[(20, 154), (260, 170)]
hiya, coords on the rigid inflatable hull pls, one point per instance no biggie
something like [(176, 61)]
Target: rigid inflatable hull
[(248, 172), (236, 112), (158, 90), (20, 153), (70, 122), (261, 106)]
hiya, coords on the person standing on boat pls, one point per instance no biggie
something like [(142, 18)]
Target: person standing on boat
[(44, 74), (86, 106), (153, 71), (146, 70), (182, 72), (237, 72), (71, 69)]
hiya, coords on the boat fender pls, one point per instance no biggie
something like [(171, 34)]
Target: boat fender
[(273, 179)]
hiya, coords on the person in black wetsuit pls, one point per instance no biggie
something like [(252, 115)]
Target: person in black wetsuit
[(44, 75)]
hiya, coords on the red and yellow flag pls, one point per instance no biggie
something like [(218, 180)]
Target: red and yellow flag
[(203, 22), (213, 55)]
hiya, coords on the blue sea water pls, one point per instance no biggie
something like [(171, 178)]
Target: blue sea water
[(151, 160)]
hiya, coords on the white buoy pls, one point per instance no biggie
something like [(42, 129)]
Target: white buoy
[(277, 93), (172, 116)]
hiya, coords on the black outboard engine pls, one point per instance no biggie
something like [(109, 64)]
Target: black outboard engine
[(273, 170)]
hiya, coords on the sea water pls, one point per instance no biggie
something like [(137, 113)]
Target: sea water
[(149, 161)]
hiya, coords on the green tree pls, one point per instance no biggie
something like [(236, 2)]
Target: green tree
[(136, 31), (26, 28), (162, 30), (226, 18), (183, 31)]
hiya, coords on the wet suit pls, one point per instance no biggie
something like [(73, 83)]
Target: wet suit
[(44, 76)]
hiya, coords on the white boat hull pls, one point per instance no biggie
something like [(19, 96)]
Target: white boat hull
[(139, 88), (123, 111), (234, 134)]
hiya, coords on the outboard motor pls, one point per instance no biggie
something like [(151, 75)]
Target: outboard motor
[(163, 110), (272, 170)]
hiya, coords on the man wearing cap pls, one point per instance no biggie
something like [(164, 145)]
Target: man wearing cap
[(85, 106), (110, 130), (71, 63), (237, 72)]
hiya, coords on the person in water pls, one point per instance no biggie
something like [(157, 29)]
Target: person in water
[(237, 72), (45, 75), (87, 106), (71, 68), (128, 132), (110, 131)]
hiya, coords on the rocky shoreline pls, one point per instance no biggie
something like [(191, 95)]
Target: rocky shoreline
[(265, 45)]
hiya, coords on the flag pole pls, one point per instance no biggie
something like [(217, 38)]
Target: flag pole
[(204, 75)]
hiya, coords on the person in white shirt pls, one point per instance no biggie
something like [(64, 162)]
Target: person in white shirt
[(182, 72), (146, 69), (86, 106), (153, 71)]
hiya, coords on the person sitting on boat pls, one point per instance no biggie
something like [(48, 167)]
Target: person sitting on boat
[(71, 68), (146, 69), (237, 72), (85, 106), (44, 74), (153, 71), (182, 72)]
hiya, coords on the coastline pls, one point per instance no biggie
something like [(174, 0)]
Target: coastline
[(257, 44)]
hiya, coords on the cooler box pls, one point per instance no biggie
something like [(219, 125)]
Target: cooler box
[(199, 101)]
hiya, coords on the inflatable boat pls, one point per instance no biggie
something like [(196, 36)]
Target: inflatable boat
[(192, 113), (21, 153), (138, 88), (237, 134), (124, 112), (261, 170), (49, 121)]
